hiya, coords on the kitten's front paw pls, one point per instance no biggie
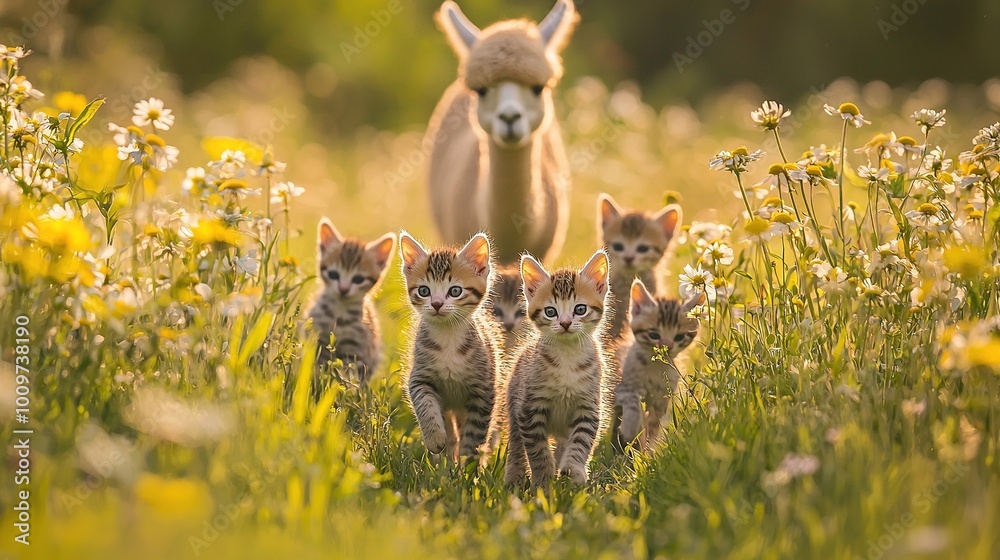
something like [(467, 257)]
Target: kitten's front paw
[(435, 441), (577, 474)]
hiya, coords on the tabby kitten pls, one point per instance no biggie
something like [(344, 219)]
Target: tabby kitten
[(637, 242), (508, 305), (653, 322), (557, 388), (345, 307), (454, 370)]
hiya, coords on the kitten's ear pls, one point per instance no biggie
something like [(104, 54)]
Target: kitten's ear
[(328, 235), (607, 209), (596, 270), (640, 297), (533, 274), (692, 302), (410, 249), (477, 252), (669, 219), (382, 249)]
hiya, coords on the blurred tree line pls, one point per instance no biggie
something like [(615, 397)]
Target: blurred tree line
[(382, 62)]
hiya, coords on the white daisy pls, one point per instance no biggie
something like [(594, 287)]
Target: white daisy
[(848, 112), (831, 279), (124, 136), (162, 157), (717, 252), (927, 217), (694, 281), (873, 174), (769, 115), (284, 192), (735, 161), (194, 179), (130, 152), (152, 112), (783, 222), (928, 118)]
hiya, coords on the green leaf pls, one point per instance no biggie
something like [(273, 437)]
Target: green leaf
[(303, 382), (255, 339), (86, 115)]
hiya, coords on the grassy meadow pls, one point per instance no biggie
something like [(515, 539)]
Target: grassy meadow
[(842, 397)]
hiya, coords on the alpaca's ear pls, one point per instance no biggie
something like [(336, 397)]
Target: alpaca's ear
[(556, 28), (461, 32), (596, 270), (607, 209), (669, 219), (477, 252), (694, 301), (328, 235), (382, 249), (411, 250), (533, 274), (639, 297)]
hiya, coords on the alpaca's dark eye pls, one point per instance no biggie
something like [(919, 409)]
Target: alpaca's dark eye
[(680, 337), (423, 291), (551, 312), (332, 274), (642, 248), (580, 310), (537, 90), (357, 279), (653, 335), (481, 92), (617, 247), (455, 291)]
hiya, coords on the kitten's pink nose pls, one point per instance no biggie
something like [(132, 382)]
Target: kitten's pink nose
[(629, 259), (344, 289), (437, 305), (566, 324)]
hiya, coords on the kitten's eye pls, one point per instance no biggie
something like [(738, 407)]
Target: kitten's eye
[(481, 92), (680, 337), (498, 312), (520, 313), (617, 247), (580, 310), (332, 274), (551, 312), (653, 335), (358, 279), (455, 291), (537, 90), (642, 248), (424, 291)]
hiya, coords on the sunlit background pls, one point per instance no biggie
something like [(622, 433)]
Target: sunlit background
[(343, 90)]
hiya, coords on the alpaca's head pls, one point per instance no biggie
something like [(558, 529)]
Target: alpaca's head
[(512, 66)]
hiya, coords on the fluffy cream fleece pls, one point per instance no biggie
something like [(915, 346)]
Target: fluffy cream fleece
[(510, 50)]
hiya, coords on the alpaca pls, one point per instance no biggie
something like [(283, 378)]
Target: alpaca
[(497, 158)]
